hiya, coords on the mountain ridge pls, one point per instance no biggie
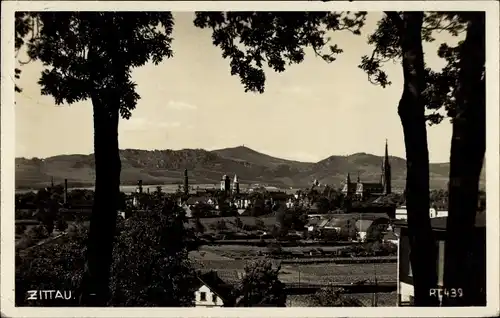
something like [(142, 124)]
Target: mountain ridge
[(207, 167)]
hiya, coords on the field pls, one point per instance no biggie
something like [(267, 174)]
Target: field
[(338, 273), (310, 273), (383, 299), (269, 221), (230, 261)]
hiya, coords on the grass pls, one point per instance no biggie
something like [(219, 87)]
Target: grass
[(308, 273), (350, 269), (384, 299), (269, 221), (337, 273)]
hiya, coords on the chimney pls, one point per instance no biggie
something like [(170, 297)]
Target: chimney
[(65, 191)]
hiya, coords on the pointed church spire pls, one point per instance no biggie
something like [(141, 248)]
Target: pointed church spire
[(387, 171), (386, 151), (236, 185), (359, 180), (348, 179)]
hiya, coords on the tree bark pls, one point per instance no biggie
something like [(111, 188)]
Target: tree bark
[(106, 200), (468, 147), (411, 110)]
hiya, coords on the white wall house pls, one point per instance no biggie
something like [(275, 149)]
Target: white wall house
[(213, 291), (401, 213), (204, 297)]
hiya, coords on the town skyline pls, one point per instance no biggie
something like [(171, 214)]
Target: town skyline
[(299, 117)]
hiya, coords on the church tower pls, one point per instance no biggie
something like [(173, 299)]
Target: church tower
[(386, 171), (223, 183), (227, 185), (139, 187), (236, 185)]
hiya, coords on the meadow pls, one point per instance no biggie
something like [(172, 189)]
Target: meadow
[(230, 260)]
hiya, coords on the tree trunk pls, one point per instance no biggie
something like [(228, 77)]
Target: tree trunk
[(106, 200), (411, 110), (468, 147)]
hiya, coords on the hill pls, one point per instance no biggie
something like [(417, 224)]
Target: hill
[(243, 153), (207, 167)]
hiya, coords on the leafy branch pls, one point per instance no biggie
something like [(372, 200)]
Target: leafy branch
[(440, 90), (252, 40)]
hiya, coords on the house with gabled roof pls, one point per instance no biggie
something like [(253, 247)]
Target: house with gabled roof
[(212, 291), (362, 226)]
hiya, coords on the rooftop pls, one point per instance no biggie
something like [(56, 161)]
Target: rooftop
[(439, 223), (216, 285)]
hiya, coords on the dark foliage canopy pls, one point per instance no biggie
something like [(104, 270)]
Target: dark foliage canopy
[(86, 52), (254, 40), (440, 85), (147, 269)]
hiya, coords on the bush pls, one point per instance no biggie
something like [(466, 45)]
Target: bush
[(221, 225), (274, 249), (37, 232), (20, 229), (389, 248), (77, 229), (150, 264), (259, 224), (333, 297), (375, 232), (261, 286), (199, 228), (61, 225), (52, 266), (238, 223), (25, 242)]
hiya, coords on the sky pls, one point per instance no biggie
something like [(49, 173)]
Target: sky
[(309, 112)]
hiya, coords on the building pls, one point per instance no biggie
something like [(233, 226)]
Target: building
[(138, 191), (402, 213), (365, 190), (194, 200), (241, 201), (225, 184), (236, 185), (362, 226), (212, 291), (477, 262)]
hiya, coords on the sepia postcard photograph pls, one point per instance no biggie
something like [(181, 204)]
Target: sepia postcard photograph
[(175, 158)]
